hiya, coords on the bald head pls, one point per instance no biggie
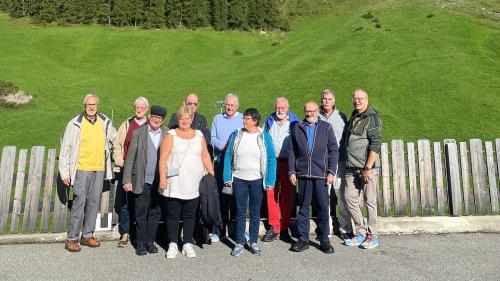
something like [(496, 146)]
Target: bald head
[(191, 101), (311, 111), (360, 100)]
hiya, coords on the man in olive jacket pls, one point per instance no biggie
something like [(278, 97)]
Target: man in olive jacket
[(363, 142)]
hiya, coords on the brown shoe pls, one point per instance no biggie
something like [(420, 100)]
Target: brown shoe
[(72, 246), (90, 242), (123, 241)]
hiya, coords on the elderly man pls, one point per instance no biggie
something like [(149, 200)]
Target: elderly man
[(140, 176), (84, 163), (120, 148), (222, 127), (312, 162), (363, 142), (199, 121), (279, 198), (338, 120)]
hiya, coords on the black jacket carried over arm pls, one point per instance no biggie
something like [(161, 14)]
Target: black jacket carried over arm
[(209, 201)]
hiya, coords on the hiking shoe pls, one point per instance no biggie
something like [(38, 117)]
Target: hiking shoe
[(90, 242), (151, 248), (237, 250), (188, 250), (140, 250), (72, 246), (356, 241), (347, 238), (326, 247), (300, 246), (214, 238), (370, 242), (123, 241), (172, 251), (270, 235), (254, 248)]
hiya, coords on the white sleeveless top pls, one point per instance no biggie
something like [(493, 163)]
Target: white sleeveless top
[(185, 186)]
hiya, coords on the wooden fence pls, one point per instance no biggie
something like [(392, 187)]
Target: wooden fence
[(425, 179)]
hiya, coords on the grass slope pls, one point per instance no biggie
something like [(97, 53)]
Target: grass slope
[(430, 78)]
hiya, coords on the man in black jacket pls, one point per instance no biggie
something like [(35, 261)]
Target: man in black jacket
[(312, 162)]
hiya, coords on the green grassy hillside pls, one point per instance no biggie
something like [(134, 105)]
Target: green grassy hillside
[(431, 77)]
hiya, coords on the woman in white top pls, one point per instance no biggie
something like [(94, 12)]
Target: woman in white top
[(184, 152), (249, 169)]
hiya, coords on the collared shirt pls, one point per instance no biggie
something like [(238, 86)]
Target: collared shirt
[(311, 131), (222, 127), (155, 136), (280, 134)]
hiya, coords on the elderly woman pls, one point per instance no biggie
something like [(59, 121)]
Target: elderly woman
[(249, 169), (184, 160)]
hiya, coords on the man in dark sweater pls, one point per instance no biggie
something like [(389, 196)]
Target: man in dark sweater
[(363, 142), (312, 163)]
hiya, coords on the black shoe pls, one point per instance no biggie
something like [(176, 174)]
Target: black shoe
[(270, 235), (326, 247), (285, 236), (300, 246), (140, 250), (151, 248)]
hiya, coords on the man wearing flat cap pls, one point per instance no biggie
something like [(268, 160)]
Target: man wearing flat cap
[(140, 176)]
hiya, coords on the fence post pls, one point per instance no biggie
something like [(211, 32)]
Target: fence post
[(412, 174), (465, 168), (47, 196), (399, 177), (478, 175), (425, 172), (6, 177), (18, 194), (490, 162), (438, 165), (34, 184), (386, 184), (453, 179)]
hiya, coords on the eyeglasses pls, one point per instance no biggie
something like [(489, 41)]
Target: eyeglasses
[(91, 106), (310, 111), (157, 117), (358, 99), (192, 103)]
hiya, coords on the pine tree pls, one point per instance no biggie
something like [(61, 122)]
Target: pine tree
[(46, 11), (15, 8), (103, 15), (219, 12), (196, 13), (121, 13), (155, 14), (238, 14), (89, 11), (136, 12), (174, 13)]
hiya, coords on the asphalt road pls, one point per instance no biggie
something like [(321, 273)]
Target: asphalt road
[(406, 257)]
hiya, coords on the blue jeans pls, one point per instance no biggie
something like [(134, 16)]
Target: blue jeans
[(247, 192), (121, 208), (309, 188)]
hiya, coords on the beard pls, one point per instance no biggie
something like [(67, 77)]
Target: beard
[(281, 115), (311, 119)]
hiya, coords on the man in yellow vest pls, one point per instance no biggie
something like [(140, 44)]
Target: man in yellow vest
[(84, 163)]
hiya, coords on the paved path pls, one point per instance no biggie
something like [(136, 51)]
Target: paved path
[(405, 257)]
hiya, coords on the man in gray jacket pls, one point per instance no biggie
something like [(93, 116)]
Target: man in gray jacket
[(363, 142), (338, 222), (84, 163), (140, 176)]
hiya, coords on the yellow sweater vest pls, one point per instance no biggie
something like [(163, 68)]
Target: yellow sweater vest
[(92, 146)]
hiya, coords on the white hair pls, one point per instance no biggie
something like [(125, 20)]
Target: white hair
[(232, 96), (141, 99), (361, 91), (90, 95), (282, 99)]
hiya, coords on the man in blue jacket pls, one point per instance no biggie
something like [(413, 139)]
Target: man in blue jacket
[(312, 163)]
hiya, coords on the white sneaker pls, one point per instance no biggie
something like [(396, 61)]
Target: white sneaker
[(188, 250), (172, 250)]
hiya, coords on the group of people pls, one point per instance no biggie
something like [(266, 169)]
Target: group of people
[(327, 158)]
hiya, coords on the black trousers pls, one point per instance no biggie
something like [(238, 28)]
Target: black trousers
[(186, 210), (147, 214)]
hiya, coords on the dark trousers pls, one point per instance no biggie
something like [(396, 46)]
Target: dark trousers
[(122, 207), (147, 214), (247, 193), (309, 188), (186, 210), (226, 202)]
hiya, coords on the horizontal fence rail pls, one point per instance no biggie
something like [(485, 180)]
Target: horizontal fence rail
[(416, 179)]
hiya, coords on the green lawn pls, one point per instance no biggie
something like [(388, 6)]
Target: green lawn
[(431, 77)]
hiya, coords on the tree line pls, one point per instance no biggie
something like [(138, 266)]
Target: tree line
[(191, 14)]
